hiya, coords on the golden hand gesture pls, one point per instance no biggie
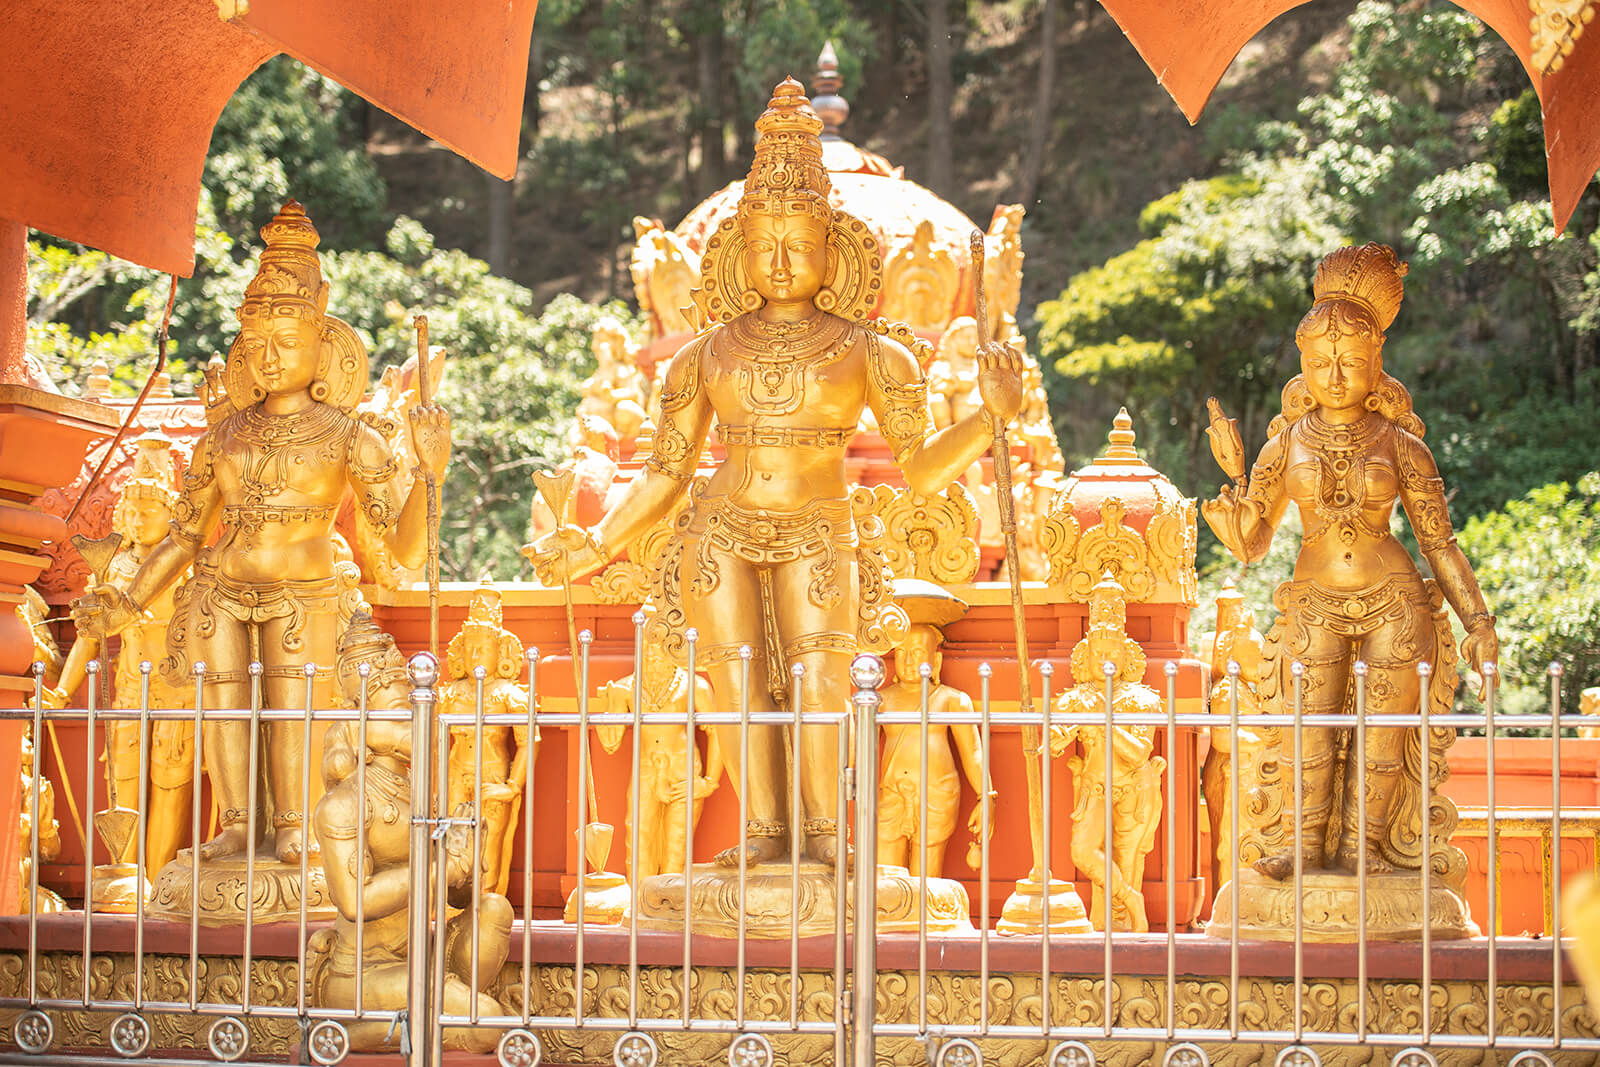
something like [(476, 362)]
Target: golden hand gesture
[(564, 554), (1000, 380), (1481, 646), (1226, 444), (430, 437), (104, 612)]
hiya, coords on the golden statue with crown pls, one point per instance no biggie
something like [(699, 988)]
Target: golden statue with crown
[(284, 444), (770, 556), (1345, 450)]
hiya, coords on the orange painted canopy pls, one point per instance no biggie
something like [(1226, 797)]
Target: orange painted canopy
[(1188, 44), (106, 109)]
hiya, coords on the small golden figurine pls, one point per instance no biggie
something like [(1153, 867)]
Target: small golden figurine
[(140, 521), (484, 642), (282, 449), (1346, 448), (1238, 642), (664, 773), (952, 379), (770, 555), (44, 817), (381, 878), (1135, 784), (615, 391), (902, 837)]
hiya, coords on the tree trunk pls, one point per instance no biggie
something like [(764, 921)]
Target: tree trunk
[(502, 194), (1043, 111), (941, 93), (708, 110)]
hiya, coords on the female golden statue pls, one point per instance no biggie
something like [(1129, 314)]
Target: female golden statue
[(283, 447), (1347, 447), (768, 554)]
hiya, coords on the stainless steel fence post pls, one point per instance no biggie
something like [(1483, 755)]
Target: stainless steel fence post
[(424, 673), (866, 675)]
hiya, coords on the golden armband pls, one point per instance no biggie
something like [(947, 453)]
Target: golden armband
[(904, 421)]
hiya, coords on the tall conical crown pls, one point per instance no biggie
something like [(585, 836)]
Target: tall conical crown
[(1370, 276), (152, 477), (787, 176), (289, 279)]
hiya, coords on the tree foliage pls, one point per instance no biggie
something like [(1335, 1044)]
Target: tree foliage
[(1538, 561)]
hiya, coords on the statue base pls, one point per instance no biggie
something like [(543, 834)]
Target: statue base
[(606, 900), (771, 893), (1331, 908), (116, 888), (220, 894), (1024, 909)]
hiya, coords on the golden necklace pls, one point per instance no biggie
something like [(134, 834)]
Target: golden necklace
[(773, 357)]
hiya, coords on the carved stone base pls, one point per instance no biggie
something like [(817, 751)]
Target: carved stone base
[(770, 895), (1024, 909), (116, 888), (606, 900), (222, 887), (1331, 908)]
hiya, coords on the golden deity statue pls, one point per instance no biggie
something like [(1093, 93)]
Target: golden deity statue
[(380, 879), (665, 778), (282, 448), (664, 270), (770, 554), (1002, 269), (484, 642), (42, 816), (615, 391), (1346, 448), (952, 379), (140, 522), (1238, 642), (903, 837), (1135, 768)]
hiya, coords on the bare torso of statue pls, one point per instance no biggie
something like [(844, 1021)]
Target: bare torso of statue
[(769, 554)]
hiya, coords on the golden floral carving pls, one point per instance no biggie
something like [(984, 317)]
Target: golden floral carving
[(627, 580), (1555, 27), (930, 537), (919, 285), (1159, 564)]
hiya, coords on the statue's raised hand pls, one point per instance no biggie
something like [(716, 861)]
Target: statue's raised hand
[(1000, 380), (564, 554), (1226, 445), (104, 612), (430, 437)]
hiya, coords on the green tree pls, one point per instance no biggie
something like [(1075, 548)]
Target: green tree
[(1538, 561)]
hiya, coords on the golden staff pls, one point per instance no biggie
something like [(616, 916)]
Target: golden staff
[(431, 484), (556, 488), (1001, 451)]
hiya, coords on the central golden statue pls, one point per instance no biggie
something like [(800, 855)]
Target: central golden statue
[(768, 557), (283, 447)]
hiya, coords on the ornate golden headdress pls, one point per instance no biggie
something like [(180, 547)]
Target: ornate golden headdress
[(152, 479), (1108, 620), (289, 282), (1370, 276), (364, 641), (484, 613), (787, 178)]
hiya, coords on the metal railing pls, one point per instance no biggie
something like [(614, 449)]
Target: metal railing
[(829, 997)]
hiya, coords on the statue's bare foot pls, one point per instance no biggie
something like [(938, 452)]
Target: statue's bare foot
[(824, 848), (232, 841), (290, 841), (756, 850), (1280, 865), (1349, 859)]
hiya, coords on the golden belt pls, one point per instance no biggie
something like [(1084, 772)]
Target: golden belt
[(785, 436), (1357, 612), (256, 516)]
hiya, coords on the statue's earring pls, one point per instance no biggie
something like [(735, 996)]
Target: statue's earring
[(826, 300), (750, 300)]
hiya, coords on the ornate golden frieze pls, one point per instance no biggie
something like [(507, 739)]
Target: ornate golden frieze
[(1555, 27), (934, 538), (1156, 566)]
